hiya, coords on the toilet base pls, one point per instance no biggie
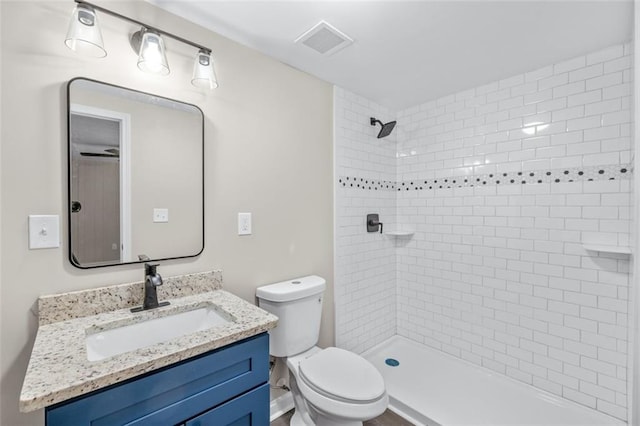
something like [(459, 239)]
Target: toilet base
[(297, 420)]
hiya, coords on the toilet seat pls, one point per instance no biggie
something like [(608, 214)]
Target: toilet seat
[(342, 394), (342, 375)]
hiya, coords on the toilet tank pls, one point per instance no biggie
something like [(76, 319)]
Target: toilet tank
[(298, 305)]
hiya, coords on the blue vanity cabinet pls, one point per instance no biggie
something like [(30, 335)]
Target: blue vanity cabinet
[(227, 386)]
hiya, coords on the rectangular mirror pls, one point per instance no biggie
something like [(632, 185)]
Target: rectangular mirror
[(136, 176)]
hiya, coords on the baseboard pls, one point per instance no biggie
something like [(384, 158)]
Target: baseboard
[(280, 405)]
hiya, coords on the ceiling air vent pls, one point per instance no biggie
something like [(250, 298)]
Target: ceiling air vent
[(325, 39)]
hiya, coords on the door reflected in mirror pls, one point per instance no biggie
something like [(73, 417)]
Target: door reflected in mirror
[(136, 165)]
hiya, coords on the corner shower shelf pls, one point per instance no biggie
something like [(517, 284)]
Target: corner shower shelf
[(607, 249), (399, 233)]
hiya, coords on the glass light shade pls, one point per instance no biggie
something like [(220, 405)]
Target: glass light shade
[(204, 75), (152, 57), (84, 35)]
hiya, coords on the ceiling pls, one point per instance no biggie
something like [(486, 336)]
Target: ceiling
[(87, 130), (408, 52)]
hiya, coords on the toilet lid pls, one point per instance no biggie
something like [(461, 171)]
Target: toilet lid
[(342, 374)]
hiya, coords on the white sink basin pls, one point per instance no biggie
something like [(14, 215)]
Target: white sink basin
[(105, 344)]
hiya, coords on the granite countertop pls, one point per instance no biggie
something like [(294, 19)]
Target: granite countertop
[(59, 369)]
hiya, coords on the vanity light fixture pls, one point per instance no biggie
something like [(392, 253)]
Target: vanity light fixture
[(84, 36), (151, 54), (203, 73)]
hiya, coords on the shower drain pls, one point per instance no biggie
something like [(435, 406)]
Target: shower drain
[(392, 362)]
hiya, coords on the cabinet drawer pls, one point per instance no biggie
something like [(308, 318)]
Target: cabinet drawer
[(250, 409), (174, 393)]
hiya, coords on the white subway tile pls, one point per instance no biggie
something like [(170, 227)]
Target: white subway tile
[(586, 73), (583, 123), (569, 89), (519, 111), (612, 383), (599, 315), (617, 144), (584, 200), (611, 409), (487, 88), (552, 105), (512, 81), (599, 159), (539, 119), (566, 162), (579, 397), (536, 142), (568, 113), (600, 212), (524, 89), (616, 91), (539, 73), (608, 356), (553, 81), (550, 129), (570, 65), (583, 148), (611, 105), (499, 95), (504, 262), (606, 80), (618, 117), (597, 391), (605, 55), (466, 95), (535, 96), (510, 124), (586, 98), (582, 374)]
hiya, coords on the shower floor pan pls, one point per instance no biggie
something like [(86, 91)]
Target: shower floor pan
[(431, 388)]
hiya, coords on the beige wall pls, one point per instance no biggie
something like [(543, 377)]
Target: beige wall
[(268, 136)]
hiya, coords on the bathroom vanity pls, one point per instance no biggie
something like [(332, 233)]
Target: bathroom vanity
[(224, 386), (92, 365)]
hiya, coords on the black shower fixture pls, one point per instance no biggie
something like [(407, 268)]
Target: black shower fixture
[(386, 128)]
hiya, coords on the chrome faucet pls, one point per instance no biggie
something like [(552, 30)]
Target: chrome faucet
[(152, 280)]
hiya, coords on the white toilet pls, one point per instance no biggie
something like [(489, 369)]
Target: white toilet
[(330, 386)]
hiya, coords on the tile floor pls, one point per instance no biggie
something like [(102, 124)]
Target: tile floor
[(388, 418)]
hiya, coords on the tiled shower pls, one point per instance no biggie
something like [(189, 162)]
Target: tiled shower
[(516, 198)]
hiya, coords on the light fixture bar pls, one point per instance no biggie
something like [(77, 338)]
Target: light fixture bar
[(148, 27)]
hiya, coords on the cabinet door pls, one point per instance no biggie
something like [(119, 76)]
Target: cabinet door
[(250, 409), (172, 394)]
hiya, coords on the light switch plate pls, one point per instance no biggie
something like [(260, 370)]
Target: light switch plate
[(244, 223), (160, 215), (44, 231)]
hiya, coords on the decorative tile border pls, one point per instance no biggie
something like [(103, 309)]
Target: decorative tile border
[(578, 174), (366, 183)]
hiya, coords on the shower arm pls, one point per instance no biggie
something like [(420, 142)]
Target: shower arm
[(374, 121)]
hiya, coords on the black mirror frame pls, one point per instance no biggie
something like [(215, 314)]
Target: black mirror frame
[(69, 162)]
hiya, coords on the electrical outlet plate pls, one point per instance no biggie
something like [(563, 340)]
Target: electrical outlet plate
[(160, 215), (44, 231), (244, 223)]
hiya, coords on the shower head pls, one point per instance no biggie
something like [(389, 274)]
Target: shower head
[(387, 128)]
